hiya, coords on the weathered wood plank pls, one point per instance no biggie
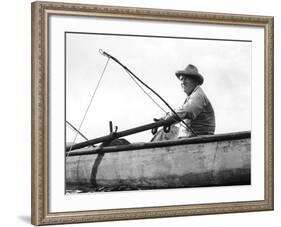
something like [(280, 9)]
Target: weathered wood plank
[(138, 146)]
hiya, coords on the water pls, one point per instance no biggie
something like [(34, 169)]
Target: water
[(85, 189)]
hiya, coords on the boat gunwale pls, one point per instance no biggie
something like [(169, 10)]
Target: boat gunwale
[(168, 143)]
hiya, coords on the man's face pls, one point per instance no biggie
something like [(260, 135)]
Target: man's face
[(187, 84)]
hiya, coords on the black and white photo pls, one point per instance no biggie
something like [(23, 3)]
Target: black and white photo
[(197, 91)]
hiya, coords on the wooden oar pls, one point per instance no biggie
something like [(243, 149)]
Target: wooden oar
[(116, 135)]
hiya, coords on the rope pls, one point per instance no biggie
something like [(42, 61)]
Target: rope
[(88, 107)]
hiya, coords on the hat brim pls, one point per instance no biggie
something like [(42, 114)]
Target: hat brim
[(198, 77)]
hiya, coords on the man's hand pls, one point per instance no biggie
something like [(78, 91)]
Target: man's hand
[(154, 130)]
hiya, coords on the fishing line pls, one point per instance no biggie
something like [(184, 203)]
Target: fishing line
[(76, 130), (148, 87), (149, 96), (91, 100), (145, 92)]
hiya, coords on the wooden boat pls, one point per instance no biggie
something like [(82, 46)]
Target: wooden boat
[(216, 160)]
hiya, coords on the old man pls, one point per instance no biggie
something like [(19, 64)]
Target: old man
[(197, 111)]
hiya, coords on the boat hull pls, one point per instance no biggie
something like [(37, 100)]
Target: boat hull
[(173, 165)]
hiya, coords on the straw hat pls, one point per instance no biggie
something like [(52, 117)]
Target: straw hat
[(192, 72)]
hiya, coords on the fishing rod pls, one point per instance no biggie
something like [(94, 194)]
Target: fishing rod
[(178, 118), (116, 135)]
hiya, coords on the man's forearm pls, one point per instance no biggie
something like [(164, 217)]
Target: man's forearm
[(172, 117)]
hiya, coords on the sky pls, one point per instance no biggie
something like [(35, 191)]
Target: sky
[(225, 66)]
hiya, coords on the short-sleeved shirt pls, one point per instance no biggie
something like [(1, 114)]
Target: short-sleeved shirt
[(198, 113)]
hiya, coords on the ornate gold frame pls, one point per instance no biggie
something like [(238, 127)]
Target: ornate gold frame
[(40, 14)]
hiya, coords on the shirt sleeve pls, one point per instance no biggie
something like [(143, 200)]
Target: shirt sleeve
[(193, 107)]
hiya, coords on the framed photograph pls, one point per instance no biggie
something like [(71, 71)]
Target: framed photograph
[(149, 113)]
